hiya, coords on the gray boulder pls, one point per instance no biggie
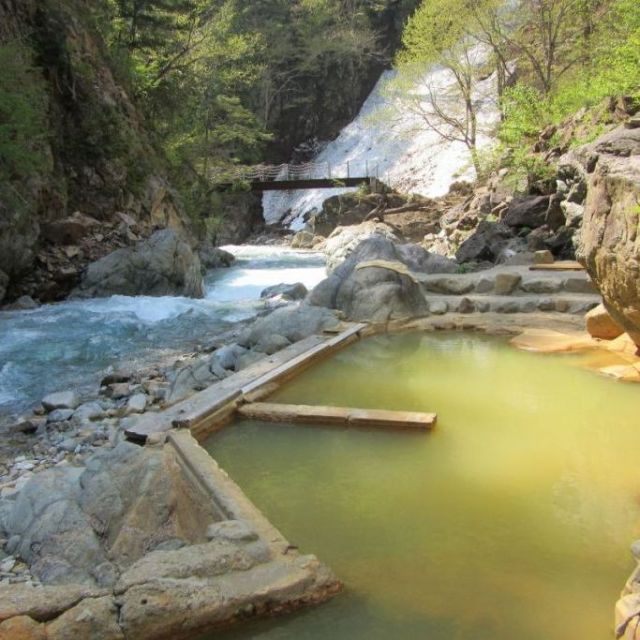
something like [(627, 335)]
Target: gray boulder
[(343, 240), (60, 400), (214, 258), (422, 261), (530, 211), (486, 243), (292, 324), (295, 291), (382, 291), (160, 266)]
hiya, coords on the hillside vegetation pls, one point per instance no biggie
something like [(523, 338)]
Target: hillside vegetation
[(551, 58)]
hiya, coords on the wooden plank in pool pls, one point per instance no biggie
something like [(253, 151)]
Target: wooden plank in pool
[(213, 406), (563, 265), (308, 414)]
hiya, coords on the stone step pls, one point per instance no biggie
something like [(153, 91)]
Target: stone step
[(577, 304), (508, 281)]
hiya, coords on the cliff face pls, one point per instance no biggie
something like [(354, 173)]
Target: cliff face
[(610, 243), (99, 160)]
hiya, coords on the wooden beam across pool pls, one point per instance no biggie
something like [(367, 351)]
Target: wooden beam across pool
[(345, 416)]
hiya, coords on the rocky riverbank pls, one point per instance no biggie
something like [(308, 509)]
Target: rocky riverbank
[(97, 532)]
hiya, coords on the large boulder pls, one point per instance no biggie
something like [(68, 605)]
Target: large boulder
[(163, 265), (487, 243), (343, 240), (609, 243), (296, 291), (293, 324), (377, 282), (601, 325), (85, 526), (214, 258), (530, 211)]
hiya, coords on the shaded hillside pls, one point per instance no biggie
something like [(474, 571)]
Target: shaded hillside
[(72, 141)]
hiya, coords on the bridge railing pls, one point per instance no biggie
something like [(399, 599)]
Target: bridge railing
[(289, 172)]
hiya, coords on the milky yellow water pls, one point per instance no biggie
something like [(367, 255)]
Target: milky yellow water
[(511, 521)]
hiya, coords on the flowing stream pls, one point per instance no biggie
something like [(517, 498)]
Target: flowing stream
[(71, 344), (512, 519)]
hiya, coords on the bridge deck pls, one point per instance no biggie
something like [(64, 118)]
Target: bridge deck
[(289, 185)]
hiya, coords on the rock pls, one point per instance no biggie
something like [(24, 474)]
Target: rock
[(23, 303), (273, 343), (227, 356), (29, 425), (506, 283), (455, 286), (609, 245), (214, 258), (22, 628), (60, 415), (294, 324), (541, 285), (91, 619), (160, 266), (89, 411), (295, 291), (438, 307), (60, 400), (137, 403), (248, 358), (373, 284), (41, 603), (117, 390), (527, 212), (420, 260), (193, 377), (343, 240), (69, 230), (304, 240), (601, 325), (466, 305), (116, 377), (4, 283), (231, 530), (573, 213), (543, 257), (486, 243)]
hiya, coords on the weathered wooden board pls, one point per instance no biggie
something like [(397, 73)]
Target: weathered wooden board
[(307, 414), (564, 265), (218, 402)]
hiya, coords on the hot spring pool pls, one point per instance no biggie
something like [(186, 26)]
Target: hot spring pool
[(511, 520)]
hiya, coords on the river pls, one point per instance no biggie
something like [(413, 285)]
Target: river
[(72, 344)]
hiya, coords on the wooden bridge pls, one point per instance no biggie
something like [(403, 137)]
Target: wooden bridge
[(286, 177)]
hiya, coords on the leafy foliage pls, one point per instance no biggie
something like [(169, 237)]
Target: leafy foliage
[(23, 108)]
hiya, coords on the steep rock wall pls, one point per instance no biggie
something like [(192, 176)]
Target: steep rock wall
[(100, 160)]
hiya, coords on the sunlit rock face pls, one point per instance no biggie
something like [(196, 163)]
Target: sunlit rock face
[(609, 244)]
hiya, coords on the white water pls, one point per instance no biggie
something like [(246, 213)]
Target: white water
[(390, 133), (71, 344)]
